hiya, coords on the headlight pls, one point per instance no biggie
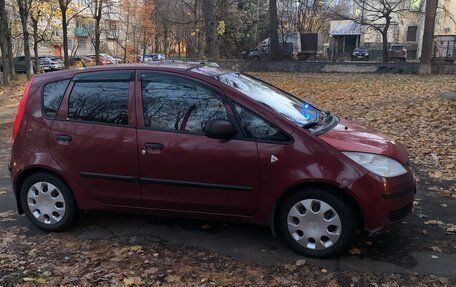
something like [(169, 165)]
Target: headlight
[(378, 164)]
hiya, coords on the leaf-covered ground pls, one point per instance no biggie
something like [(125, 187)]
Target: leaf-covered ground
[(418, 111), (60, 259)]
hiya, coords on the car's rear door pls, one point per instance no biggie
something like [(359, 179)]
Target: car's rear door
[(182, 169), (93, 137)]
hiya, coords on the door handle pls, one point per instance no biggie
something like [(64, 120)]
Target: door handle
[(153, 147), (63, 138)]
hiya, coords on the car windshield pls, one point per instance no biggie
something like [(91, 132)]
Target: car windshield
[(360, 49), (285, 104)]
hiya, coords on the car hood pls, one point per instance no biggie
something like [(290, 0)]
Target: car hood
[(350, 136)]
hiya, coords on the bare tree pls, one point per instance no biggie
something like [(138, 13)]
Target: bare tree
[(24, 10), (44, 28), (97, 11), (378, 15), (65, 6), (428, 38)]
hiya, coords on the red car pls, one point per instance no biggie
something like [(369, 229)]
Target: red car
[(204, 142)]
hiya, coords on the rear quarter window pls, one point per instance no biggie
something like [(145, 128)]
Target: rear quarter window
[(52, 97)]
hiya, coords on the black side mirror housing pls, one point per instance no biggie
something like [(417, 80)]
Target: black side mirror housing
[(220, 129)]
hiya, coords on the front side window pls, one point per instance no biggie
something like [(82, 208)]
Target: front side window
[(257, 128), (100, 102), (177, 104), (52, 97)]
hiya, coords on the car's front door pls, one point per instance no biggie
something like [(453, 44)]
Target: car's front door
[(93, 137), (182, 169)]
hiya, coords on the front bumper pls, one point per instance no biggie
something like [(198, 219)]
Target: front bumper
[(384, 201)]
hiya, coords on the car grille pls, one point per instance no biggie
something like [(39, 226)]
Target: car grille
[(400, 213)]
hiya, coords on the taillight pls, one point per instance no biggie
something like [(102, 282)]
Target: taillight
[(20, 112)]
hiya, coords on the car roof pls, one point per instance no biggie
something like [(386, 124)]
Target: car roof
[(202, 69)]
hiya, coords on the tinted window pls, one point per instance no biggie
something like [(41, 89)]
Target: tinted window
[(256, 127), (52, 97), (99, 101), (175, 103)]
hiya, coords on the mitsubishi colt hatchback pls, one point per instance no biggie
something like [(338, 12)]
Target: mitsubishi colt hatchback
[(202, 142)]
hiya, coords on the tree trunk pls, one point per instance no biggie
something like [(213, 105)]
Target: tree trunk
[(210, 25), (385, 38), (23, 6), (10, 51), (98, 14), (6, 68), (428, 38), (35, 42), (273, 33), (144, 44), (385, 57), (126, 36), (63, 9)]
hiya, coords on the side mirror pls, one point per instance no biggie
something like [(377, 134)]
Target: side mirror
[(219, 129)]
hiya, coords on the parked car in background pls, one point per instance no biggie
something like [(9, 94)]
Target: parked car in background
[(118, 60), (81, 61), (151, 57), (360, 54), (104, 59), (51, 63), (397, 52), (19, 64), (205, 142)]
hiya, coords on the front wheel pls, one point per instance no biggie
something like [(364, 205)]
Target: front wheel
[(317, 223), (48, 202)]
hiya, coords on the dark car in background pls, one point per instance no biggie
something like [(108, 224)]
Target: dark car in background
[(47, 64), (397, 52), (203, 142), (360, 54), (20, 64)]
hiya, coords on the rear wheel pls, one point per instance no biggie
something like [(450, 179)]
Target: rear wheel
[(317, 223), (48, 202)]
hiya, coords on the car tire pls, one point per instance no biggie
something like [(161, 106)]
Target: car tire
[(48, 202), (316, 222)]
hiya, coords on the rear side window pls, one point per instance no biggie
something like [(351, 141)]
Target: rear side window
[(52, 97), (99, 102)]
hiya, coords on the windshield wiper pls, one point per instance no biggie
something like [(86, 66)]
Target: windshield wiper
[(310, 125), (324, 118)]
